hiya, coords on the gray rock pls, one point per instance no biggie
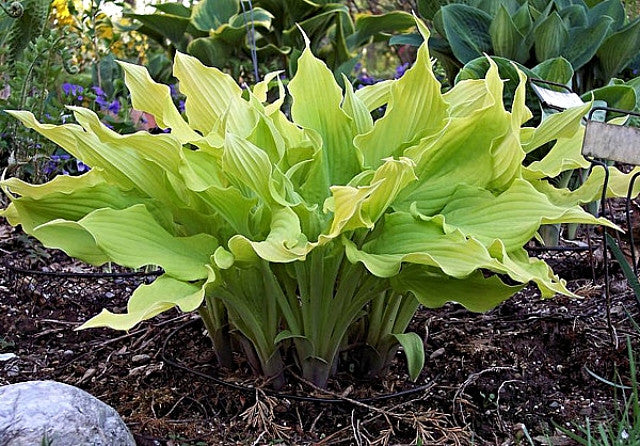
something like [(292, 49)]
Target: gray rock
[(63, 415), (140, 359)]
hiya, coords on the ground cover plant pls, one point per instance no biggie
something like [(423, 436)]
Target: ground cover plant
[(317, 231)]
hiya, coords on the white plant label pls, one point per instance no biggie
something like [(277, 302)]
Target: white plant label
[(612, 142)]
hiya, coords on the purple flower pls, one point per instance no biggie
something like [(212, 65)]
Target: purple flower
[(98, 91), (82, 167), (72, 89), (401, 69), (365, 79), (102, 102), (54, 163), (114, 107), (174, 91), (181, 106), (49, 168)]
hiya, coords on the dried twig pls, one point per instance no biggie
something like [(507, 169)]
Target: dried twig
[(472, 378), (509, 381)]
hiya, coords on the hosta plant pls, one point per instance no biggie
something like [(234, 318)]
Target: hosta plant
[(595, 37), (306, 235)]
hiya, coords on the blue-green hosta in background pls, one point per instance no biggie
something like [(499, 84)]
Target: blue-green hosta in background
[(594, 37), (315, 231)]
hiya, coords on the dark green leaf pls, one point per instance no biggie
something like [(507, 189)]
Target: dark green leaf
[(160, 67), (540, 9), (210, 14), (174, 9), (619, 49), (261, 18), (168, 26), (270, 50), (428, 8), (635, 84), (584, 42), (315, 27), (414, 39), (616, 96), (210, 51), (574, 15), (367, 26), (522, 19), (537, 16), (506, 40), (438, 24), (467, 30), (555, 70), (299, 10), (610, 8), (340, 52), (491, 6), (550, 36)]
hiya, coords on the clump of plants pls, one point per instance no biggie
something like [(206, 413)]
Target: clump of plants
[(32, 58), (314, 234), (597, 39), (226, 33)]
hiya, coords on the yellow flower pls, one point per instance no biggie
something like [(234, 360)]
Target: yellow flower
[(62, 16), (117, 48), (104, 29)]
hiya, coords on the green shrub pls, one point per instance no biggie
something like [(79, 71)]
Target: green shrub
[(319, 230)]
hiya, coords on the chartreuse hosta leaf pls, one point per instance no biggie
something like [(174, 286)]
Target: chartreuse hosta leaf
[(519, 211), (155, 99), (484, 123), (361, 206), (435, 289), (286, 230), (212, 97), (148, 301), (415, 108), (132, 237), (317, 105)]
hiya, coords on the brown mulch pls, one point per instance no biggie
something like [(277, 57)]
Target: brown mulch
[(520, 370)]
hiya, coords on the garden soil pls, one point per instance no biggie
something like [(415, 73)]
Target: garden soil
[(514, 375)]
